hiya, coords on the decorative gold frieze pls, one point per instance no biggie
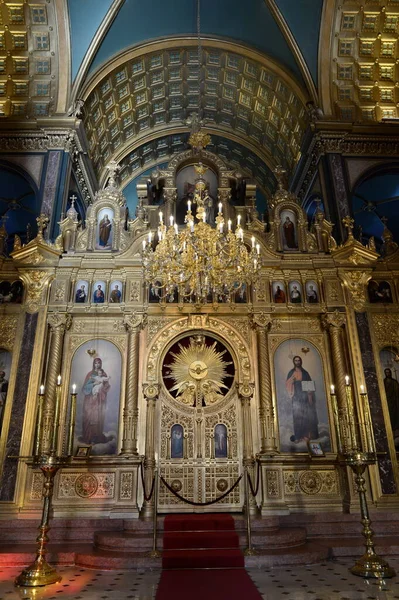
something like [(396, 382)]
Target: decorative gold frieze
[(311, 482), (8, 331)]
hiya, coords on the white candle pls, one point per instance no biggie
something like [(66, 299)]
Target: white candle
[(258, 248), (143, 244), (176, 229), (332, 389), (74, 388), (204, 217), (229, 224), (42, 390), (189, 205), (362, 389), (149, 237), (253, 241), (171, 220), (238, 220), (221, 227), (59, 380), (160, 216), (220, 207), (346, 379)]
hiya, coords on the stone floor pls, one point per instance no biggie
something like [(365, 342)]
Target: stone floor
[(328, 581)]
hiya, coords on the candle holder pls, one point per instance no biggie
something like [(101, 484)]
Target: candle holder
[(40, 573), (350, 454)]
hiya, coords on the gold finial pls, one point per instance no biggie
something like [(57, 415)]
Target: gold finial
[(280, 174), (113, 169), (349, 224), (17, 243), (42, 222)]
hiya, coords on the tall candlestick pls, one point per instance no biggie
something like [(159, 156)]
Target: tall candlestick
[(336, 419), (72, 419), (367, 421), (351, 417), (56, 415), (39, 421)]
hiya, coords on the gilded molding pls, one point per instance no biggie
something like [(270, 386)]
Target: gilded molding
[(8, 331)]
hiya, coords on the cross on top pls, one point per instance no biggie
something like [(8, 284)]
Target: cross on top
[(73, 198), (42, 222), (113, 169), (349, 224)]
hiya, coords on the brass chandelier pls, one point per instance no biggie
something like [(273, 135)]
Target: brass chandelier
[(200, 259)]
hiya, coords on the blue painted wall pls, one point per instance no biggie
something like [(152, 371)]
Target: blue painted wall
[(250, 22), (85, 18)]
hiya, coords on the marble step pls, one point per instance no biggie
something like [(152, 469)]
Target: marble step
[(141, 541)]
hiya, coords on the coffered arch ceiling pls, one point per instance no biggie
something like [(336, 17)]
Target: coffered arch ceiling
[(365, 65), (149, 92)]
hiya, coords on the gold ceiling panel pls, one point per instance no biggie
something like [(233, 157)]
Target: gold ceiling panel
[(28, 64), (152, 94), (365, 68)]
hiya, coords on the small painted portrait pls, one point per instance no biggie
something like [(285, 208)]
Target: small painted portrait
[(312, 292), (295, 292), (97, 376), (390, 366), (172, 295), (278, 292), (155, 292), (301, 396), (379, 291), (220, 441), (115, 296), (99, 292), (176, 441), (81, 291), (289, 230), (105, 232), (5, 368), (240, 294)]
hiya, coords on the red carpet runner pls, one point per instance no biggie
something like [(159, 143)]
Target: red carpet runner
[(201, 560)]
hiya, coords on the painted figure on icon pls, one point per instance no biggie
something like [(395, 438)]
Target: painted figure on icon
[(220, 441), (301, 390), (95, 389), (98, 296), (392, 393), (177, 436)]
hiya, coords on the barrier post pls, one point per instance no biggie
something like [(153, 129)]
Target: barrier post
[(154, 552)]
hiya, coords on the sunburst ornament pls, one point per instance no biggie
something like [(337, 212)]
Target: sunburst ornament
[(198, 372)]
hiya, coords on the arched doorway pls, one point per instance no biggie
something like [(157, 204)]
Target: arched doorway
[(199, 442)]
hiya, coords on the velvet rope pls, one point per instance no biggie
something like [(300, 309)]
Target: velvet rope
[(254, 492), (166, 484), (146, 498)]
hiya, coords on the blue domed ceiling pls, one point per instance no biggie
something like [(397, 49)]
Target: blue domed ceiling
[(251, 23)]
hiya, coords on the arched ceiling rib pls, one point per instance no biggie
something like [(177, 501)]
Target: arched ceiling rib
[(245, 97), (365, 70)]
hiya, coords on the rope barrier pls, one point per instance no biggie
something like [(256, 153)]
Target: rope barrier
[(146, 497), (166, 484), (254, 492)]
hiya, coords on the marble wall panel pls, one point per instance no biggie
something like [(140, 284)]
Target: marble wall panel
[(377, 416), (9, 474)]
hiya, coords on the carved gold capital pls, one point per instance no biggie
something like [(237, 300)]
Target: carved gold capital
[(245, 390), (151, 391), (355, 283), (59, 321), (36, 283), (262, 321), (335, 319), (134, 322)]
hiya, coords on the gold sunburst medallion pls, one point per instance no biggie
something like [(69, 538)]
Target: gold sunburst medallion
[(198, 372)]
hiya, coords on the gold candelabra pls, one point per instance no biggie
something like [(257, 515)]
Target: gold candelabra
[(200, 259), (356, 449), (40, 573)]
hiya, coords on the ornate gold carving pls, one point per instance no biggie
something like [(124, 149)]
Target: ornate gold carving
[(59, 294), (36, 283), (151, 391), (59, 321), (126, 486), (355, 282), (36, 488), (273, 483), (8, 331), (383, 326), (311, 482), (134, 291), (86, 485)]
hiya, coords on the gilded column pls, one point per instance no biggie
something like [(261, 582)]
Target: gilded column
[(266, 409), (333, 323), (245, 393), (133, 325), (59, 324), (151, 392)]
